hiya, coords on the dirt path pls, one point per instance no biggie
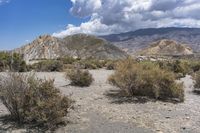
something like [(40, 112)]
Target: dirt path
[(98, 110)]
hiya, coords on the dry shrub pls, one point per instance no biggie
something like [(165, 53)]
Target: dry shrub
[(13, 62), (110, 65), (68, 60), (138, 79), (91, 63), (194, 65), (197, 81), (33, 101), (179, 67), (79, 77), (68, 66), (48, 66)]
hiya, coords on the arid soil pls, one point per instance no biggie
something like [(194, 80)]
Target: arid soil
[(100, 109)]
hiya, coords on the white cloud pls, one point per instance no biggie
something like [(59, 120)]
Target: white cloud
[(84, 8), (115, 16)]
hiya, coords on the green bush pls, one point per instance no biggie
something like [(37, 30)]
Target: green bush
[(79, 77), (140, 80), (48, 66), (33, 101)]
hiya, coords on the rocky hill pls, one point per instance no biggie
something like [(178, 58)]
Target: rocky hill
[(140, 39), (167, 47), (79, 45)]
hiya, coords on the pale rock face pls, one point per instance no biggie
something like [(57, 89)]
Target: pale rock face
[(45, 47), (80, 45)]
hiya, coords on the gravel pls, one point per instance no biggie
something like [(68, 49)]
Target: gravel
[(98, 110)]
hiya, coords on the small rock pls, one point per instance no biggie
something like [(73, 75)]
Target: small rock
[(167, 117), (133, 117), (187, 118), (78, 117), (183, 128), (110, 118)]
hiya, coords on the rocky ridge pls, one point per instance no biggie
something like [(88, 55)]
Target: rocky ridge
[(133, 41), (77, 46), (167, 48)]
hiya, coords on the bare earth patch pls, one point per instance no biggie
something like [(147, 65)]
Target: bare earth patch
[(98, 109)]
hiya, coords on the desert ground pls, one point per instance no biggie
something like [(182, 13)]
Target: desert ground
[(100, 109)]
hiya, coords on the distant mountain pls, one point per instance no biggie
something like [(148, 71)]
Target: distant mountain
[(79, 45), (140, 39), (167, 47)]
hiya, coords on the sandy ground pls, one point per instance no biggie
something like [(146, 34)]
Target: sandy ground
[(98, 109)]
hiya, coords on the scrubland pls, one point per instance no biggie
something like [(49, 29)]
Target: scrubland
[(119, 96)]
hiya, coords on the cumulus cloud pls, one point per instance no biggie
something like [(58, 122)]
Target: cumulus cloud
[(116, 16)]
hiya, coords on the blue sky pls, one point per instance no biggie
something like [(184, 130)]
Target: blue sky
[(24, 20)]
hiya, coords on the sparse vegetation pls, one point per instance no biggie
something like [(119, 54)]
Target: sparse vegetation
[(79, 77), (33, 101), (69, 63), (197, 82), (68, 60), (48, 66), (194, 65), (12, 62), (110, 65), (179, 67), (91, 63), (137, 79)]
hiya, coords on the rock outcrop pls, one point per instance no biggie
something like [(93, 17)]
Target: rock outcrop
[(78, 46)]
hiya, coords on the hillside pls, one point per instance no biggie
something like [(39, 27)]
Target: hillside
[(140, 39), (166, 47), (79, 45)]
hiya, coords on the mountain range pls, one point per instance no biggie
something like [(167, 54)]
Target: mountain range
[(134, 41), (162, 41)]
